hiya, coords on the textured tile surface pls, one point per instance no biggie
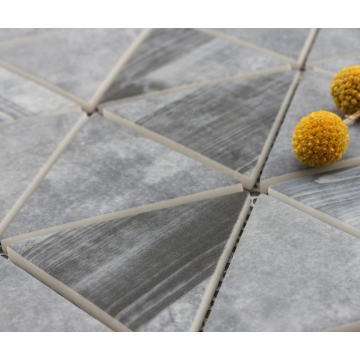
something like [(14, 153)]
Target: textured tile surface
[(173, 57), (148, 271), (312, 94), (336, 193), (21, 98), (335, 42), (10, 34), (29, 305), (24, 149), (108, 168), (337, 65), (228, 123), (288, 42), (76, 61), (290, 272)]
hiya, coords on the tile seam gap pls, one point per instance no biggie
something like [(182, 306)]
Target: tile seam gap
[(218, 288), (310, 41), (32, 186)]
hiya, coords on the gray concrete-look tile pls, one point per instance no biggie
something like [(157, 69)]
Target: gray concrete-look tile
[(288, 42), (21, 98), (335, 193), (334, 42), (75, 61), (228, 123), (313, 94), (148, 271), (174, 57), (29, 305), (107, 168), (337, 65), (24, 149), (290, 272), (11, 34)]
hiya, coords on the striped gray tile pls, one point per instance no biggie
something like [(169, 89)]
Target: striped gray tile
[(148, 271), (107, 168), (335, 193), (228, 123), (174, 57)]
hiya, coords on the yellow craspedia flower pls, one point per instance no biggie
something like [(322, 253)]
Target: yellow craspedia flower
[(345, 89), (320, 139)]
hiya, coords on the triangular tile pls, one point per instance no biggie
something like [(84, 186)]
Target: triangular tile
[(106, 169), (290, 272), (228, 123), (174, 57), (25, 147), (21, 98), (76, 61), (29, 305), (150, 272), (333, 197), (312, 94)]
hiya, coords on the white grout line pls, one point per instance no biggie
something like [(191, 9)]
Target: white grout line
[(245, 180), (117, 68), (251, 46), (336, 223), (66, 292), (41, 116), (216, 277), (321, 71), (274, 129), (334, 58), (38, 35), (307, 46), (125, 213), (40, 175), (84, 104), (199, 85), (265, 184)]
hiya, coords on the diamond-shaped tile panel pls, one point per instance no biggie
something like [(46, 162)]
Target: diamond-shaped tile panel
[(333, 197), (107, 168), (290, 272), (288, 42), (25, 147), (331, 43), (174, 57), (76, 61), (312, 94), (150, 272), (228, 123), (29, 305), (21, 98)]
